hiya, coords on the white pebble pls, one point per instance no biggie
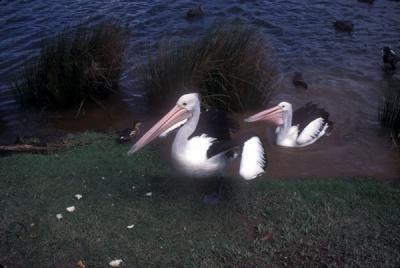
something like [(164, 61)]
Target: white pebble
[(115, 263), (103, 178), (130, 226), (133, 187), (59, 216), (70, 209), (78, 196), (149, 194)]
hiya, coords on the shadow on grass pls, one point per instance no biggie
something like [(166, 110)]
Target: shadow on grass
[(231, 66), (281, 223)]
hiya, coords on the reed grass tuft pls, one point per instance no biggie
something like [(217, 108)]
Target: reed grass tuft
[(231, 66), (73, 67), (390, 111)]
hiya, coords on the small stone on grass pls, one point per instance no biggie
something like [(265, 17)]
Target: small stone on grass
[(70, 209), (115, 263)]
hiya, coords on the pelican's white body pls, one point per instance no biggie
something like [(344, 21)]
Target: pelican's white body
[(308, 136), (191, 159), (190, 155), (289, 136)]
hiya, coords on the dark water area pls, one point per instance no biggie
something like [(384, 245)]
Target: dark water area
[(343, 70)]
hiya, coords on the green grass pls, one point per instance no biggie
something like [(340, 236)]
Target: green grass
[(76, 66), (263, 223), (231, 66)]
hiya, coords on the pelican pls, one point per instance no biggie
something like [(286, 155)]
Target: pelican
[(299, 129), (204, 153)]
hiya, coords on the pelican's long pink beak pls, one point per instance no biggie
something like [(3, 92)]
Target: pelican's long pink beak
[(273, 115), (177, 114)]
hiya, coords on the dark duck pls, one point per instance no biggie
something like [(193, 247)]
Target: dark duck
[(343, 26), (128, 135), (390, 59), (195, 12), (298, 80)]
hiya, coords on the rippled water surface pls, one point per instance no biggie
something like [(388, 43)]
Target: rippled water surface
[(343, 71)]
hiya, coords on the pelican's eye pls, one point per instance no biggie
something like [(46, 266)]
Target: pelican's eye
[(184, 104)]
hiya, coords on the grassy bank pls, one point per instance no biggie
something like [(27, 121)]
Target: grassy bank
[(265, 223)]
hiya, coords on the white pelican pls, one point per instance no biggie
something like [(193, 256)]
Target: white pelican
[(202, 154), (301, 128)]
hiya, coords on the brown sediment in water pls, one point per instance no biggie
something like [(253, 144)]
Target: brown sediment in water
[(113, 113)]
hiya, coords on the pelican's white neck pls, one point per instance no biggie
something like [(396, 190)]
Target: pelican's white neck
[(186, 130), (283, 130)]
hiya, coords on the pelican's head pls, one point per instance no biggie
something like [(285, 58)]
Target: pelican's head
[(189, 102), (285, 106), (176, 117), (273, 115)]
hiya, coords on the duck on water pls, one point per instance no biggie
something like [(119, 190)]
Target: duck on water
[(390, 59)]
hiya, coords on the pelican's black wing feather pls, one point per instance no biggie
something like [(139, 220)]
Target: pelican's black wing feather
[(215, 124), (304, 115), (228, 146)]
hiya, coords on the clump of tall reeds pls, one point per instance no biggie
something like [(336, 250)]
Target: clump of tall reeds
[(76, 66), (231, 66), (390, 112)]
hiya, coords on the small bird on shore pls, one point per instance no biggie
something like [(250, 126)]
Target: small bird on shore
[(195, 12), (128, 134), (343, 26), (300, 128), (298, 80), (390, 59)]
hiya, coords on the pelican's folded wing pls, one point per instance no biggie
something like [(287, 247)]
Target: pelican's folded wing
[(312, 132)]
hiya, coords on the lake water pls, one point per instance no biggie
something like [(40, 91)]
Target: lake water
[(343, 70)]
